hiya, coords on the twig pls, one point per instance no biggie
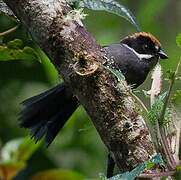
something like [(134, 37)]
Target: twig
[(167, 151), (156, 174), (139, 101), (9, 30)]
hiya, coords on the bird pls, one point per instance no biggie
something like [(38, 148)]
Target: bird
[(45, 114), (135, 56)]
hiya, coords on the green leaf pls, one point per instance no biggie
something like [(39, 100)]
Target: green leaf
[(150, 165), (178, 167), (171, 75), (178, 40), (110, 6), (9, 169), (164, 178), (58, 175), (50, 70), (157, 108), (14, 50), (157, 159), (130, 175), (27, 148), (118, 74), (15, 44)]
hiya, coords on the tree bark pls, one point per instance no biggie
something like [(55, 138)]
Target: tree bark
[(76, 55)]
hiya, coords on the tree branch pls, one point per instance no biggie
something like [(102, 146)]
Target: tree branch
[(63, 38)]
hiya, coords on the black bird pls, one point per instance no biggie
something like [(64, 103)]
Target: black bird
[(46, 113)]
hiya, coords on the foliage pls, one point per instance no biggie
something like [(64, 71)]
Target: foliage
[(138, 170), (157, 159), (178, 40), (15, 50), (157, 107), (110, 6), (58, 175), (14, 155)]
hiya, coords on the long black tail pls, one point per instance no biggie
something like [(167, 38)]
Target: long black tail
[(46, 113)]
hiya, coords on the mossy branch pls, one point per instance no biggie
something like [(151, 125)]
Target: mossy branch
[(58, 30)]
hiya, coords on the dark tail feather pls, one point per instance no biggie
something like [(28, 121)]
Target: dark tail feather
[(47, 113)]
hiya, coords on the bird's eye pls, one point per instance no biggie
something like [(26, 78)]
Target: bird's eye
[(157, 48), (145, 46)]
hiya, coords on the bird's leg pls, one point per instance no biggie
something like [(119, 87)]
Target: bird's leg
[(110, 166)]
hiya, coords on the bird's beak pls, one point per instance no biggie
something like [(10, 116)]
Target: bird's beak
[(162, 55)]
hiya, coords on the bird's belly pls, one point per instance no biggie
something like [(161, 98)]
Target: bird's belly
[(135, 77)]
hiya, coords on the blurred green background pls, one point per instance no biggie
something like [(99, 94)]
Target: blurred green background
[(78, 146)]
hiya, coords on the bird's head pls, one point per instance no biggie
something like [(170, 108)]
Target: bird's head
[(145, 45)]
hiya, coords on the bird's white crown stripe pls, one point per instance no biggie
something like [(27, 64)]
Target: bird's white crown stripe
[(140, 56)]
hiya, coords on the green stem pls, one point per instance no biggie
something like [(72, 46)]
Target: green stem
[(166, 148), (139, 101), (168, 95), (161, 120)]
